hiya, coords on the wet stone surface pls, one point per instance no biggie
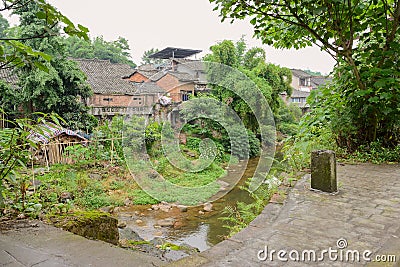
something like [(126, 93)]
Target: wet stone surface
[(365, 213)]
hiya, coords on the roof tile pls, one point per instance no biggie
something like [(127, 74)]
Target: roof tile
[(105, 77)]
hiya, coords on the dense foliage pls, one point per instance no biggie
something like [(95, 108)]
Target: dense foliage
[(53, 85), (362, 36), (14, 52), (271, 80), (16, 153), (116, 51)]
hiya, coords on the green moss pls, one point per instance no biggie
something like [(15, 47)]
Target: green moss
[(171, 246), (91, 224), (137, 243), (79, 216)]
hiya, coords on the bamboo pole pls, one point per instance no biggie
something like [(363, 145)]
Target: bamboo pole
[(33, 176), (46, 157), (112, 151)]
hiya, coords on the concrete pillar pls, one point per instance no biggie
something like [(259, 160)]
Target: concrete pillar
[(323, 171)]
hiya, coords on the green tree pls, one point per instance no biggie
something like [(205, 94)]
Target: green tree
[(4, 25), (58, 86), (116, 51), (147, 60), (15, 53), (362, 36), (270, 79), (225, 53)]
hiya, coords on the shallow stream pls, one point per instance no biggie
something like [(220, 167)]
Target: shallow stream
[(193, 227)]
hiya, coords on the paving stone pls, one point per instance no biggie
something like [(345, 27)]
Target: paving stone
[(49, 246), (366, 212)]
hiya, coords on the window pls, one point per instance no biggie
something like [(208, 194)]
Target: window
[(305, 81), (185, 95), (108, 99), (137, 98)]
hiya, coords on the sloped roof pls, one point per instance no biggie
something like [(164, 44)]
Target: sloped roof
[(148, 88), (146, 73), (49, 131), (9, 76), (158, 75), (105, 77), (190, 63), (317, 81), (182, 76), (299, 94), (300, 73)]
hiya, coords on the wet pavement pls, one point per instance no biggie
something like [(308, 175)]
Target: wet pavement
[(364, 217), (45, 245)]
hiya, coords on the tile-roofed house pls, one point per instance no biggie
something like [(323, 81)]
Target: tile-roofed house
[(178, 85), (299, 98), (179, 76), (182, 76), (301, 80), (114, 93), (105, 77), (303, 83), (196, 65), (196, 68), (142, 75)]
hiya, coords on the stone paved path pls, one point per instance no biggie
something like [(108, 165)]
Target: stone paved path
[(365, 212), (47, 246)]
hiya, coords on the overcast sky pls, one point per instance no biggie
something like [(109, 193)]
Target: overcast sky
[(176, 23)]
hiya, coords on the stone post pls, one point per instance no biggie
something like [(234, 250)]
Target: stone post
[(323, 171)]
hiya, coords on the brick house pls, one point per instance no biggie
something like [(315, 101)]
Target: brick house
[(114, 93), (139, 76), (196, 68), (178, 85), (178, 76)]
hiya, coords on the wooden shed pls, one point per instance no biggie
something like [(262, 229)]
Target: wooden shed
[(52, 140)]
